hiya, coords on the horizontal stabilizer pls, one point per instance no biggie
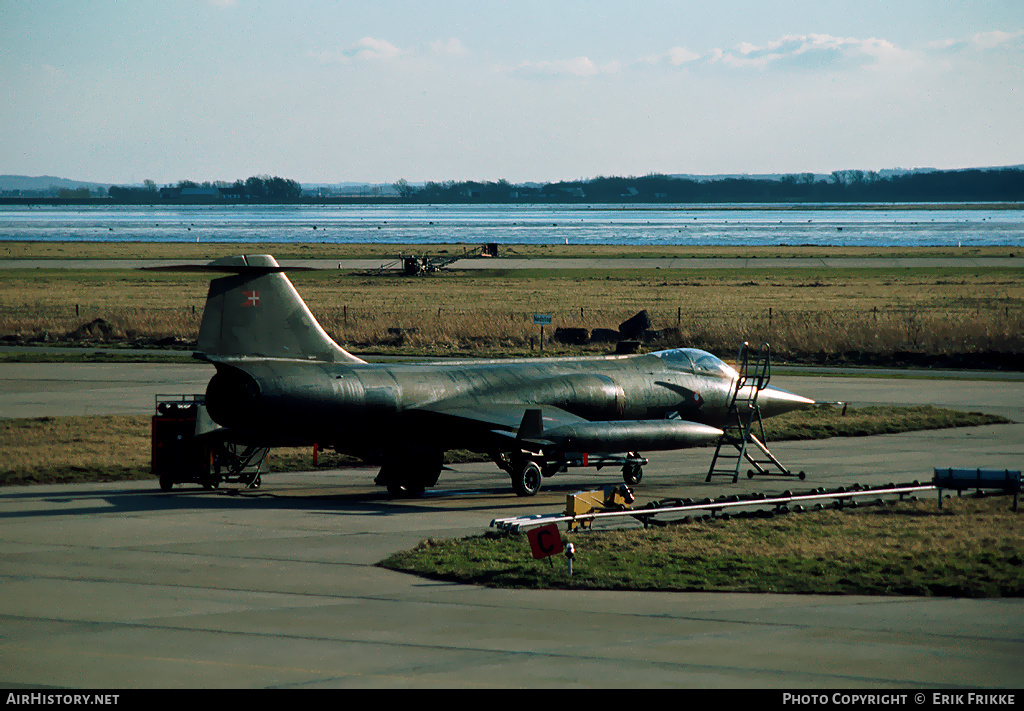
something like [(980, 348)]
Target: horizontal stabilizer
[(244, 264)]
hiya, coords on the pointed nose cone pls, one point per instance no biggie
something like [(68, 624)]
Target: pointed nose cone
[(775, 401), (697, 434)]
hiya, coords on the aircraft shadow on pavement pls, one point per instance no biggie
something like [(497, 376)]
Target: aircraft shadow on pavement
[(321, 497)]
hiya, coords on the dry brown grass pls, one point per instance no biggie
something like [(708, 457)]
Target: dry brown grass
[(863, 310), (50, 449), (799, 311)]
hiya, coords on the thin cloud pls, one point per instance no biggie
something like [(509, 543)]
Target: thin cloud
[(373, 48), (448, 48), (578, 66), (808, 52), (804, 52), (996, 38), (677, 57), (681, 55), (981, 41), (813, 51), (366, 49)]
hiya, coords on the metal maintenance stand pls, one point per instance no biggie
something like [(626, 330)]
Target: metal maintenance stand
[(738, 441)]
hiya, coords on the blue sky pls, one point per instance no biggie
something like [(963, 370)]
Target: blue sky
[(450, 90)]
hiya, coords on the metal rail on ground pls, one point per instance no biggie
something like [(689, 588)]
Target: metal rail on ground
[(719, 507)]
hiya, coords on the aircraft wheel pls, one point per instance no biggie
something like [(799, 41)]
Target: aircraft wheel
[(408, 474), (632, 474), (526, 480)]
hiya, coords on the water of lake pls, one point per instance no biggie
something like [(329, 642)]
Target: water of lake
[(821, 225)]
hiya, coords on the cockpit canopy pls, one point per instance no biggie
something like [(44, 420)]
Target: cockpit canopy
[(694, 360)]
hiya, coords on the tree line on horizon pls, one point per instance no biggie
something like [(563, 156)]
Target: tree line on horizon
[(257, 187), (999, 184), (968, 185)]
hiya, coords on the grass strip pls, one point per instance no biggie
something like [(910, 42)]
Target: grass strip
[(972, 547), (826, 421), (86, 356)]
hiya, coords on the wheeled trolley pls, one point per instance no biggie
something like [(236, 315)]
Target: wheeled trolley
[(179, 456)]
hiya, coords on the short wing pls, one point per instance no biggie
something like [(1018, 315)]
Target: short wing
[(501, 420)]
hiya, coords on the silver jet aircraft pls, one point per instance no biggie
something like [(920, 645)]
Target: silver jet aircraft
[(281, 380)]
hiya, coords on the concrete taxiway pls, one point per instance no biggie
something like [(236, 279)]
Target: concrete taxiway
[(121, 585), (54, 389)]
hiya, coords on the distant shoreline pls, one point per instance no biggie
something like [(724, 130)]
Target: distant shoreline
[(388, 227), (624, 204)]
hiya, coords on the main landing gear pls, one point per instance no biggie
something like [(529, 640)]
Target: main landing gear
[(633, 470), (408, 474), (527, 478)]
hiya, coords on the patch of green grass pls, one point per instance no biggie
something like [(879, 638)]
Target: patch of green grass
[(826, 422), (973, 547)]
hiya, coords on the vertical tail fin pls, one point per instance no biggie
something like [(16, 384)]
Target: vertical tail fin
[(256, 311)]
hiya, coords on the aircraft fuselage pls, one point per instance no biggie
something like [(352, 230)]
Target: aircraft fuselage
[(282, 380), (355, 407)]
